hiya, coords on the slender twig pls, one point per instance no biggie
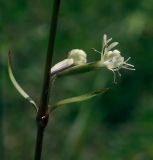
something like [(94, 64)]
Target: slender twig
[(42, 116)]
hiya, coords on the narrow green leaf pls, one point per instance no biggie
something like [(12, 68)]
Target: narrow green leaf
[(80, 69), (16, 85), (79, 98)]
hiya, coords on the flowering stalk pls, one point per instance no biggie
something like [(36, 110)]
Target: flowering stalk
[(75, 63), (42, 116)]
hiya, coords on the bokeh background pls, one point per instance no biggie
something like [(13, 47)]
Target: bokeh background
[(117, 125)]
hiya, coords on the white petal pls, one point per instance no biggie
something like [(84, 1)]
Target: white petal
[(116, 51), (109, 40), (105, 39), (112, 45)]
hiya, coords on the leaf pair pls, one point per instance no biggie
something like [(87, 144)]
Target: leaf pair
[(73, 70)]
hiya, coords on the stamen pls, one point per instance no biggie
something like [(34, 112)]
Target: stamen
[(114, 77), (117, 68), (128, 68), (127, 64), (119, 73), (128, 59), (96, 50)]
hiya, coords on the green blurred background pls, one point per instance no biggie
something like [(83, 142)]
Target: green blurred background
[(117, 125)]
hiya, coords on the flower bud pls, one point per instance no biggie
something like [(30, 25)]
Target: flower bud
[(78, 55), (66, 63)]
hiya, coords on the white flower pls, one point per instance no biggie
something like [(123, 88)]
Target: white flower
[(78, 55), (112, 59), (75, 57)]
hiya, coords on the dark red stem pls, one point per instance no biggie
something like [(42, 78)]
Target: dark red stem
[(42, 116)]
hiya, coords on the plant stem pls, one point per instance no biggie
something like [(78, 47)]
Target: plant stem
[(42, 116), (39, 141)]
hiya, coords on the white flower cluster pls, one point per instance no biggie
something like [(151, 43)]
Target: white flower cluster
[(112, 59)]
